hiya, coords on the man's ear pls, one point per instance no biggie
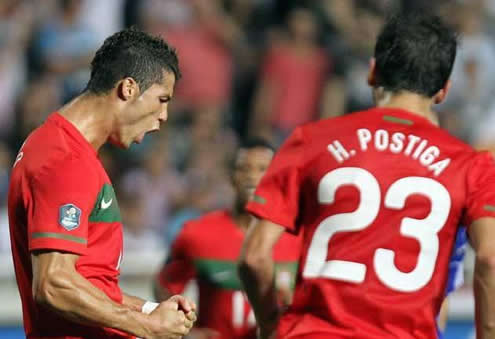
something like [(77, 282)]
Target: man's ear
[(442, 94), (372, 73), (128, 89)]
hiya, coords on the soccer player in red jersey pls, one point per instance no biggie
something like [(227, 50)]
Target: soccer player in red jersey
[(378, 196), (207, 249), (65, 222)]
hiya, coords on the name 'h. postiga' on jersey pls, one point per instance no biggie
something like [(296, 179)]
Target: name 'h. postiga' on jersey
[(397, 143)]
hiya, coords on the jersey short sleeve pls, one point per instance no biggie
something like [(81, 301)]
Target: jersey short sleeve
[(179, 269), (480, 200), (63, 197), (277, 196)]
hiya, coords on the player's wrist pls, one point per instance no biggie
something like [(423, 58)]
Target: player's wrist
[(148, 327), (150, 324), (134, 322), (148, 307)]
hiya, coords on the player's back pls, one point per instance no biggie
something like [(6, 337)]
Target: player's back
[(381, 193)]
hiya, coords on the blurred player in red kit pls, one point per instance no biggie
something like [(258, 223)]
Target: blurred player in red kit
[(65, 222), (378, 196), (208, 248)]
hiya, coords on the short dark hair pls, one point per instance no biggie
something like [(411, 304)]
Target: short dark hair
[(415, 52), (251, 143), (256, 142), (131, 53)]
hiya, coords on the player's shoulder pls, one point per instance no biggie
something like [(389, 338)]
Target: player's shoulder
[(50, 151), (481, 164), (205, 223), (47, 147)]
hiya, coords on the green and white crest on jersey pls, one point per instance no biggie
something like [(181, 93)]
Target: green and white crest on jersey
[(106, 208)]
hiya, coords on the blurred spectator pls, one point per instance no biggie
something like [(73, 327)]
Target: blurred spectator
[(489, 6), (40, 98), (207, 183), (352, 29), (427, 5), (256, 20), (203, 35), (137, 237), (91, 14), (208, 177), (65, 47), (292, 79), (471, 95), (157, 185), (206, 128), (16, 23)]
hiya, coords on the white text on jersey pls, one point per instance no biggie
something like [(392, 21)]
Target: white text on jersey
[(398, 143)]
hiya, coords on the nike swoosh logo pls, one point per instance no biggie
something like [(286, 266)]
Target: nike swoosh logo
[(105, 204)]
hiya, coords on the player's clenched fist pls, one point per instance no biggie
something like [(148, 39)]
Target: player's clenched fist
[(184, 304), (172, 319)]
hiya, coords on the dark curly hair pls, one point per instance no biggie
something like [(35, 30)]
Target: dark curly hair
[(415, 52), (131, 53), (249, 144)]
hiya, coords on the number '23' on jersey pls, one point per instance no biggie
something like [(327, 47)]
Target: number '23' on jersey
[(378, 196)]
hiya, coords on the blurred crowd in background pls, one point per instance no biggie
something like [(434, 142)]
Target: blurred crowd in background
[(250, 68)]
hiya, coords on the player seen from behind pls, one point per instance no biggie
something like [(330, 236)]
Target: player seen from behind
[(378, 196)]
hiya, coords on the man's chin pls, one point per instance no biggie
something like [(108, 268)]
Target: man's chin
[(119, 144)]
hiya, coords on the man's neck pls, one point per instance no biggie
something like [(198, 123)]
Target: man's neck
[(90, 115), (241, 218), (411, 102)]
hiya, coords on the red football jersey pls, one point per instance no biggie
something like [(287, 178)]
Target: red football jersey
[(378, 196), (208, 249), (60, 198)]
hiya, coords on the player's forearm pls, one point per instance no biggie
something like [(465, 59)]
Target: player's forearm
[(257, 275), (134, 303), (484, 292), (75, 298)]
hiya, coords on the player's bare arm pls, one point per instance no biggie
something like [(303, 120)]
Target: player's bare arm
[(58, 286), (256, 271), (482, 237), (133, 302)]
